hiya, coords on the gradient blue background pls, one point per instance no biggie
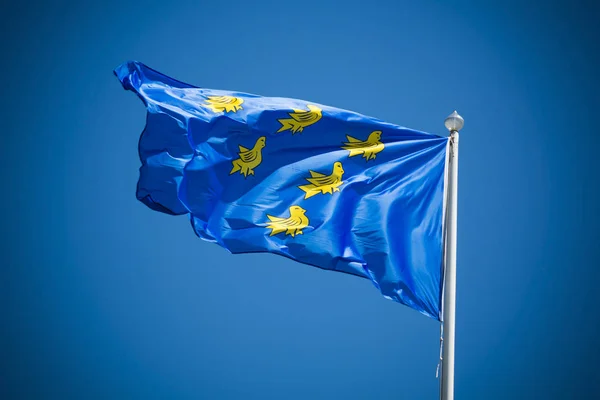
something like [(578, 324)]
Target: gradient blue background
[(103, 298)]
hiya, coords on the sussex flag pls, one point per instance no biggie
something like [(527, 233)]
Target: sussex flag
[(323, 186)]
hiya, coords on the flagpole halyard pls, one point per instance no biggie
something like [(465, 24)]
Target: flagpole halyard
[(453, 123)]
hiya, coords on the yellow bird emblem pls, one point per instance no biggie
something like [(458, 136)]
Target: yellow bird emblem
[(321, 183), (292, 225), (368, 148), (300, 119), (249, 158), (224, 103)]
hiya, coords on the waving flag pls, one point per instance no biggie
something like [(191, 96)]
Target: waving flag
[(323, 186)]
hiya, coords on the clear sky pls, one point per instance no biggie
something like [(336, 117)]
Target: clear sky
[(103, 298)]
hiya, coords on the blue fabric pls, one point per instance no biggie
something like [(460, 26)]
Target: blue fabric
[(323, 186)]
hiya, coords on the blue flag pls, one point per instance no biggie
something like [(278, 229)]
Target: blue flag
[(323, 186)]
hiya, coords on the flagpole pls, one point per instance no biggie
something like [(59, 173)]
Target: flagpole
[(453, 123)]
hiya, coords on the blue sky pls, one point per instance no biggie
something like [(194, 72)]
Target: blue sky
[(103, 298)]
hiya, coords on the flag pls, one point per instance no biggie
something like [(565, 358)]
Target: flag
[(323, 186)]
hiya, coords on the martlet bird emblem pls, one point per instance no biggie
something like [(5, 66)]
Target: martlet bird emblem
[(368, 148), (224, 103), (300, 119), (249, 158), (321, 183), (292, 225)]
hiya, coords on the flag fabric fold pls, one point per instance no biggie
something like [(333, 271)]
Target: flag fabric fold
[(320, 185)]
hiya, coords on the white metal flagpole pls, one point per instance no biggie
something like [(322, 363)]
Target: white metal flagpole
[(454, 123)]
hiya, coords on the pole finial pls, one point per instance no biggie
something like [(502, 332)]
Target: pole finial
[(454, 122)]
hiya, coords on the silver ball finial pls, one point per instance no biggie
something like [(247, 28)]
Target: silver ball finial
[(454, 122)]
